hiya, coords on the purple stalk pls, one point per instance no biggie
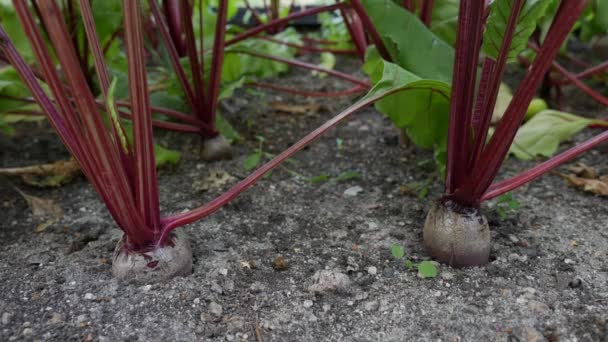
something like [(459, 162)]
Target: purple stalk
[(107, 179), (581, 85), (279, 22), (300, 64), (426, 13), (592, 71), (216, 63), (488, 92), (178, 220), (191, 51), (174, 57), (354, 90), (355, 28), (254, 13), (104, 80), (371, 29), (468, 42), (173, 15), (146, 187), (307, 48), (537, 171), (496, 150)]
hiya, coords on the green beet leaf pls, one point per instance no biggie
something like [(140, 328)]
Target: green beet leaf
[(411, 44), (445, 20), (421, 106), (542, 134), (397, 251), (531, 13), (427, 269)]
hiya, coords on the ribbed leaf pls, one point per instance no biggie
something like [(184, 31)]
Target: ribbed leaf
[(421, 107), (411, 44), (602, 14), (531, 13)]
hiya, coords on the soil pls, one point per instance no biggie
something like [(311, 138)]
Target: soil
[(291, 260)]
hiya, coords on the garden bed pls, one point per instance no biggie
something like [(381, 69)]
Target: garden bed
[(548, 278)]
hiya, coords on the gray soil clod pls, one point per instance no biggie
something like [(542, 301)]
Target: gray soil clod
[(459, 240), (217, 148), (157, 265)]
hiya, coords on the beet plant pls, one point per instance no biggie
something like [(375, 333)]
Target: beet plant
[(211, 59), (451, 97), (121, 170), (177, 33)]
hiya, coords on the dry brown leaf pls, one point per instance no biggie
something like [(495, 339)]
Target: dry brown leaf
[(594, 186), (44, 210), (46, 175), (296, 109), (248, 264), (279, 263), (583, 170)]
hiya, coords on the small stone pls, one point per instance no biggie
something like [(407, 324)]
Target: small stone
[(215, 287), (81, 319), (257, 287), (223, 271), (351, 265), (146, 288), (326, 307), (575, 283), (513, 238), (530, 334), (215, 309), (56, 318), (447, 275), (329, 281), (196, 300), (513, 257), (28, 332), (353, 191), (372, 270), (6, 318), (538, 307), (308, 303), (569, 261), (371, 305), (89, 296)]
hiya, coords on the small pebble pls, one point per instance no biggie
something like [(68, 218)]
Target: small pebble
[(56, 318), (215, 287), (215, 309), (371, 305), (569, 261), (28, 332), (223, 271), (6, 318), (447, 275), (575, 283), (308, 303), (146, 288), (372, 270), (257, 287), (329, 281), (89, 296), (353, 191)]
